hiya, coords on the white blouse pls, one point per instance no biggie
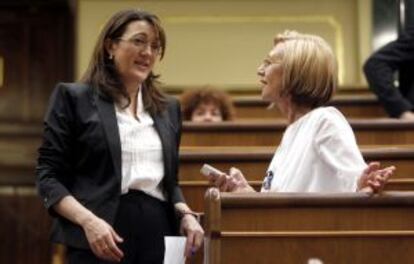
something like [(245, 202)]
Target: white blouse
[(142, 158), (318, 153)]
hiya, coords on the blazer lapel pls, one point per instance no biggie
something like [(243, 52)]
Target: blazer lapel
[(106, 111), (161, 125)]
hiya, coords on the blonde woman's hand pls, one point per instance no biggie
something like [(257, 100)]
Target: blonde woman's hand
[(221, 181), (232, 182), (238, 182), (373, 179)]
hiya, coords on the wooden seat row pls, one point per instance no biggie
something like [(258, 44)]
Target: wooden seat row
[(20, 142), (239, 133), (269, 132), (253, 162), (19, 169), (297, 228), (17, 165), (194, 191), (352, 106), (354, 102), (255, 90)]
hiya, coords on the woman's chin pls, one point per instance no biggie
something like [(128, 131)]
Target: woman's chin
[(266, 98), (138, 77), (142, 76)]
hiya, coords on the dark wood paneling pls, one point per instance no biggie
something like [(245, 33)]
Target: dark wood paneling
[(37, 46), (25, 228)]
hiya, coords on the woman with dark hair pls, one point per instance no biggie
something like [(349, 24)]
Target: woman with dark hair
[(108, 165)]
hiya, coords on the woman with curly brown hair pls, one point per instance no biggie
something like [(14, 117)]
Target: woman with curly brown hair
[(206, 104)]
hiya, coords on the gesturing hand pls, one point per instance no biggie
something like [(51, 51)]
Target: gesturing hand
[(373, 179), (234, 182), (102, 239), (238, 182)]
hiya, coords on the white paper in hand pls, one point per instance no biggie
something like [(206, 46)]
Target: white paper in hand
[(174, 249)]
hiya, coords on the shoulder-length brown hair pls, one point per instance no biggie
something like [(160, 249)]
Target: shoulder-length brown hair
[(102, 73)]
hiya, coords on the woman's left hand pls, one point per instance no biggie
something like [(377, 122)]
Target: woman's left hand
[(373, 179), (194, 232)]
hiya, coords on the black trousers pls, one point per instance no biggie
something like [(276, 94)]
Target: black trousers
[(142, 221)]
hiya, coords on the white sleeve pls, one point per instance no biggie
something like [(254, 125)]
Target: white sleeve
[(337, 148)]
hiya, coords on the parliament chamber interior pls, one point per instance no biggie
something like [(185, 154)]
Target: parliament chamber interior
[(218, 43)]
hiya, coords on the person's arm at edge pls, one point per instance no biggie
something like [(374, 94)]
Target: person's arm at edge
[(379, 71)]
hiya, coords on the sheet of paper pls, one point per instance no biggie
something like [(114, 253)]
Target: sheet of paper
[(174, 249)]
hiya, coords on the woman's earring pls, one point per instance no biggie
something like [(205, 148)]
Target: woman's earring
[(111, 56)]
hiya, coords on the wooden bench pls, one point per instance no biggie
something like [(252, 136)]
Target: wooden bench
[(353, 101), (253, 162), (269, 132), (256, 90), (352, 106), (294, 228)]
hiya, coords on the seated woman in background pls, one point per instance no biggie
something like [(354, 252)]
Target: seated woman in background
[(318, 151), (206, 104)]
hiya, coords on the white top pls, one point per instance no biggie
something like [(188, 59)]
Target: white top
[(318, 153), (142, 159)]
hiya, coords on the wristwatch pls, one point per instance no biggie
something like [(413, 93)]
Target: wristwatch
[(181, 214)]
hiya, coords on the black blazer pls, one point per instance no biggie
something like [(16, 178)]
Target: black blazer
[(379, 70), (81, 156)]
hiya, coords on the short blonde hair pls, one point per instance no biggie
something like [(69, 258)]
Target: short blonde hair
[(309, 68)]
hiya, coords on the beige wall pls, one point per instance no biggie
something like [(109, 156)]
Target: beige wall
[(222, 42)]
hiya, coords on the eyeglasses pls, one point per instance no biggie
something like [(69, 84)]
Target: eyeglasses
[(267, 182), (142, 44)]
